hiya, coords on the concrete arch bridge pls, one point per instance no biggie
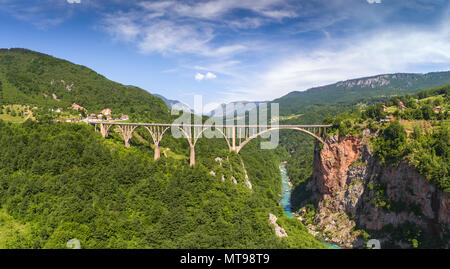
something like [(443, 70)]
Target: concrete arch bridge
[(236, 136)]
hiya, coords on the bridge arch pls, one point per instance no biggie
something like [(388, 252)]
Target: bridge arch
[(245, 142), (193, 132)]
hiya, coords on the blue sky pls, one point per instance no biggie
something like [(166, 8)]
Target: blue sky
[(231, 50)]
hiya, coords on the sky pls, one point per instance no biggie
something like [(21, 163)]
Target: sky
[(233, 50)]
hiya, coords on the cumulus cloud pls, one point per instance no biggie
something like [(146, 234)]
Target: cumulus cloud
[(383, 51), (199, 76), (208, 75), (74, 1), (374, 1), (190, 27), (164, 36)]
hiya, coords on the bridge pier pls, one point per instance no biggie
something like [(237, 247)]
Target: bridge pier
[(192, 156), (104, 130), (157, 154), (127, 133), (157, 134)]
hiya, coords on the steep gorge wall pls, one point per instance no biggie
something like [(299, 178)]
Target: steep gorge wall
[(354, 192)]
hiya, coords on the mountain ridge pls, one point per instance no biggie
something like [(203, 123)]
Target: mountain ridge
[(365, 89)]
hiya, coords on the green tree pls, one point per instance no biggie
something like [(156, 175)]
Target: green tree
[(392, 146), (374, 112), (427, 112)]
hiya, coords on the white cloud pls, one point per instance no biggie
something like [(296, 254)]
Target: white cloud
[(122, 27), (191, 27), (74, 1), (386, 51), (163, 36), (208, 75), (215, 9), (199, 76), (374, 1)]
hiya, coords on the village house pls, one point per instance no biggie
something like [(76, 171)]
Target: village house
[(78, 107), (437, 109), (106, 112), (92, 117), (401, 106)]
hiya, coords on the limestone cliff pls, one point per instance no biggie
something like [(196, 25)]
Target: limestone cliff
[(357, 198)]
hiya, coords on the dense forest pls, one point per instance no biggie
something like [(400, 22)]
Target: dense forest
[(63, 181)]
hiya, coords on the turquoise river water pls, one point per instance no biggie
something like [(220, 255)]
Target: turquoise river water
[(286, 199)]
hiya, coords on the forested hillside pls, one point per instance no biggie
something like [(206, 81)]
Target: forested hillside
[(42, 81), (63, 181), (60, 181), (351, 92)]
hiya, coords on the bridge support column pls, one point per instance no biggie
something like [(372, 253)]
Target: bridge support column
[(127, 143), (104, 129), (192, 156), (157, 152), (157, 133), (127, 133)]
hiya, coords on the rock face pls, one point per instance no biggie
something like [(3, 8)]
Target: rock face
[(279, 231), (353, 192), (332, 162), (377, 81)]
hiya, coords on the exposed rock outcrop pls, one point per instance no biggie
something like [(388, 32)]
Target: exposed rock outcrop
[(279, 231), (332, 162), (353, 192)]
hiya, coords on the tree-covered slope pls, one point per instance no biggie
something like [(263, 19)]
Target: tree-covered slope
[(63, 181), (360, 90), (32, 78)]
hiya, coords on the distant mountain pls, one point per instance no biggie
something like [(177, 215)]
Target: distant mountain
[(33, 78), (235, 108), (360, 90), (174, 104)]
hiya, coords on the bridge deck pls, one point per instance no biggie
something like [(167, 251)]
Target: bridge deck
[(210, 125)]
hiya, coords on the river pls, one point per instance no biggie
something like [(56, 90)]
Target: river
[(286, 199), (286, 196)]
